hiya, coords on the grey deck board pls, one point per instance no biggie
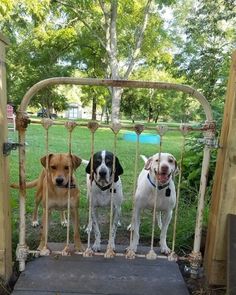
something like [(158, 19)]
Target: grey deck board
[(97, 275)]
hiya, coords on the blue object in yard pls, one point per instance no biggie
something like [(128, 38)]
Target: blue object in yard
[(143, 138)]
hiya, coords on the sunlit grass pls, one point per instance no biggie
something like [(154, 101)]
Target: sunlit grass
[(81, 146)]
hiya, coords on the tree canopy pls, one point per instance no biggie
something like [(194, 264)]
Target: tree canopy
[(186, 42)]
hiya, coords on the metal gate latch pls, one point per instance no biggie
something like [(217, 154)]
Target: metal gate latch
[(9, 146)]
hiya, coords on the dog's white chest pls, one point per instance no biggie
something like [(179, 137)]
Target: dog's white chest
[(103, 198)]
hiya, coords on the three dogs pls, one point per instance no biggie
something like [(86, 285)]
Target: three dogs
[(103, 182)]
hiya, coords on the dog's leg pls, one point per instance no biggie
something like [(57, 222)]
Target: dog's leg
[(38, 198), (63, 219), (159, 221), (166, 218), (135, 227), (43, 229), (97, 244), (116, 219), (76, 228)]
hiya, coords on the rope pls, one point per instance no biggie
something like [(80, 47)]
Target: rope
[(46, 204), (70, 126), (47, 123), (110, 252), (89, 252), (151, 254), (178, 193), (138, 129)]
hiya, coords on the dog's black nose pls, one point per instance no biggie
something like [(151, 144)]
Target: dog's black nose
[(102, 173), (59, 180)]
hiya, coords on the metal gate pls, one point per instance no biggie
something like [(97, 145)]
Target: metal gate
[(208, 129)]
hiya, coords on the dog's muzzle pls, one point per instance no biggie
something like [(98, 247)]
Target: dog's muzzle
[(163, 176), (59, 181)]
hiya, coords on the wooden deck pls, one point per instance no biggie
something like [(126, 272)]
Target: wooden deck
[(97, 275)]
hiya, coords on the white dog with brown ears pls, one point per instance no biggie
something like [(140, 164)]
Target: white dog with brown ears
[(155, 181)]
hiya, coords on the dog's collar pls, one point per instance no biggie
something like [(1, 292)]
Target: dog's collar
[(160, 187), (105, 188)]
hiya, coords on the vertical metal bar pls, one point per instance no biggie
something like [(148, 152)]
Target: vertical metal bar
[(196, 256), (22, 249), (22, 243)]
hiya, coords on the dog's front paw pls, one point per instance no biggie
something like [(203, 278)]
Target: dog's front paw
[(165, 249), (35, 223), (79, 247), (96, 247)]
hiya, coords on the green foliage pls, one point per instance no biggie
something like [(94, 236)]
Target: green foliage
[(203, 53), (191, 176)]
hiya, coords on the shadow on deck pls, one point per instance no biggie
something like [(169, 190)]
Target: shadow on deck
[(96, 275)]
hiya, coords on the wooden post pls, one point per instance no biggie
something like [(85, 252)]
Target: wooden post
[(5, 212), (224, 189)]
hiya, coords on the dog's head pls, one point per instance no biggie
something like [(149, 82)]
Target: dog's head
[(103, 167), (59, 167), (162, 167)]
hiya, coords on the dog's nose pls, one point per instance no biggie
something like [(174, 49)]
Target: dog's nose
[(59, 180), (164, 168), (102, 173)]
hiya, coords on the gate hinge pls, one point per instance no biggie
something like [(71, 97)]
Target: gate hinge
[(9, 146)]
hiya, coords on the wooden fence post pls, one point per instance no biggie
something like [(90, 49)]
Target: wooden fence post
[(224, 189), (5, 212)]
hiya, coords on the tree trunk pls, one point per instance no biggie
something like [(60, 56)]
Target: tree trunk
[(116, 98)]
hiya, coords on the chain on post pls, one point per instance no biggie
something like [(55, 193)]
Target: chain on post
[(110, 251), (93, 126), (138, 128), (46, 123)]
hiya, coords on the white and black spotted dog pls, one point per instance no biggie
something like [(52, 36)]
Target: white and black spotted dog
[(101, 190), (155, 181)]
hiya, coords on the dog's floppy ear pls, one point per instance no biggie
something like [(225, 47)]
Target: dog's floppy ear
[(43, 160), (118, 169), (176, 172), (88, 167), (147, 165), (76, 161)]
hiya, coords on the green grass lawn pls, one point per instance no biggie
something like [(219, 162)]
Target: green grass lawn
[(81, 141)]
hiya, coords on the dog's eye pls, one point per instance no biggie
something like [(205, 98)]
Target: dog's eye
[(157, 160), (66, 167), (53, 167), (108, 161), (170, 160)]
